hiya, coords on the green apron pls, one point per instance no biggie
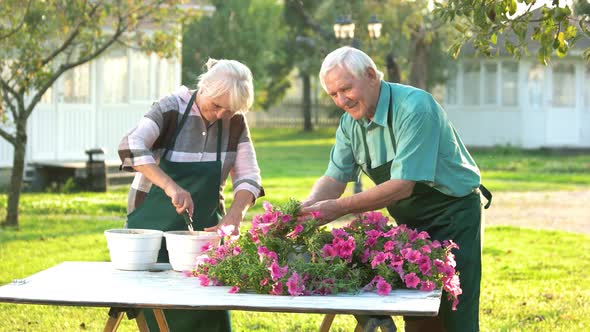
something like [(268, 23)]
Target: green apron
[(444, 218), (202, 181)]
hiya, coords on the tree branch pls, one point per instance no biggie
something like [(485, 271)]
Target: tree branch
[(10, 139), (310, 22), (20, 25), (70, 38), (64, 67), (8, 102)]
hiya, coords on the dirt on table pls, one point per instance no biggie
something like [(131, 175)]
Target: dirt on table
[(558, 210)]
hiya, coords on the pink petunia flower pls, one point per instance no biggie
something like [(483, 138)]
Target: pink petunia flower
[(378, 259), (203, 280), (225, 230), (383, 287), (267, 206), (328, 252), (277, 289), (427, 285), (206, 246), (295, 285), (296, 231), (389, 246), (234, 289), (276, 271), (411, 280)]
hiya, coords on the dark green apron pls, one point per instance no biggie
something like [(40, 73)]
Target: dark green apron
[(202, 181), (444, 218)]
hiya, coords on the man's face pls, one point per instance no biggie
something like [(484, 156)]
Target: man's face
[(356, 96)]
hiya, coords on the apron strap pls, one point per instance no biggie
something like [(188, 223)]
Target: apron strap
[(389, 126), (181, 124), (487, 194), (219, 130)]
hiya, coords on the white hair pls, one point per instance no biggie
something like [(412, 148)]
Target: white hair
[(353, 60), (228, 77)]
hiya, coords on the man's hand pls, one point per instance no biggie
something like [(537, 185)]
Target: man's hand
[(328, 210)]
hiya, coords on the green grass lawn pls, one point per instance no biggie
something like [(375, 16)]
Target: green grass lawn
[(533, 280)]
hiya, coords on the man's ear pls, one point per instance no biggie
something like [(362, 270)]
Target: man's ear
[(371, 75)]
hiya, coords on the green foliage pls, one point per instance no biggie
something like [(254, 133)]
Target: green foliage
[(554, 28), (248, 31)]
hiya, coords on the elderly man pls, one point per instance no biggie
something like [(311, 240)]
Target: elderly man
[(401, 138)]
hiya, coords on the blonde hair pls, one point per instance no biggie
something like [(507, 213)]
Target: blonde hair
[(228, 77), (353, 60)]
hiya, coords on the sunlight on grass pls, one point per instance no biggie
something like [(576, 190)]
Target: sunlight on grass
[(532, 280)]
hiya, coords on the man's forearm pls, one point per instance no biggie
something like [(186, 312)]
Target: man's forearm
[(326, 188), (377, 197)]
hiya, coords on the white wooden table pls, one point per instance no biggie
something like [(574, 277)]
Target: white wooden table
[(98, 284)]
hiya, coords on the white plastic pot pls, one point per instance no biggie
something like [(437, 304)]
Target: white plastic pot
[(133, 249), (184, 247)]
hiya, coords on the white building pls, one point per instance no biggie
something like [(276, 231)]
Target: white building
[(504, 101), (94, 105)]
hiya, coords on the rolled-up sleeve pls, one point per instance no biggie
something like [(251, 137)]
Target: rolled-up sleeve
[(246, 174), (135, 148)]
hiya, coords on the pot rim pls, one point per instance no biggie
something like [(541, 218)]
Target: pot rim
[(194, 235), (133, 232)]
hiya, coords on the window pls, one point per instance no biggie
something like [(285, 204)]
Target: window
[(76, 85), (490, 84), (564, 89), (451, 89), (47, 97), (535, 80), (509, 83), (471, 84), (115, 77), (166, 76), (140, 76)]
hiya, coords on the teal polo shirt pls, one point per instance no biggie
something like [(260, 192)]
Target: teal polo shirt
[(424, 148)]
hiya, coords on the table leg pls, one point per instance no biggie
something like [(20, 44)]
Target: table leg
[(161, 319), (141, 322), (327, 322), (115, 317), (372, 323)]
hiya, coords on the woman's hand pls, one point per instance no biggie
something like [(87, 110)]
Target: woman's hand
[(180, 198), (242, 201), (229, 219)]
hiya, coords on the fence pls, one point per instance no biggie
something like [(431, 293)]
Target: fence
[(290, 115)]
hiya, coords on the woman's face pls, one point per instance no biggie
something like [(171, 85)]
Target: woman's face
[(214, 108)]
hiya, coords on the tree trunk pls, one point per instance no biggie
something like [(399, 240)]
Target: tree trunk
[(306, 102), (393, 72), (419, 73), (16, 179)]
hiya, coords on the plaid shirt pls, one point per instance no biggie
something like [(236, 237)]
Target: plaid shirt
[(146, 143)]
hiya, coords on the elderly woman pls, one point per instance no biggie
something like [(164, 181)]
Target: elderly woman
[(183, 149)]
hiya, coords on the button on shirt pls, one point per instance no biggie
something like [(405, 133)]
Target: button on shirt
[(425, 147)]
